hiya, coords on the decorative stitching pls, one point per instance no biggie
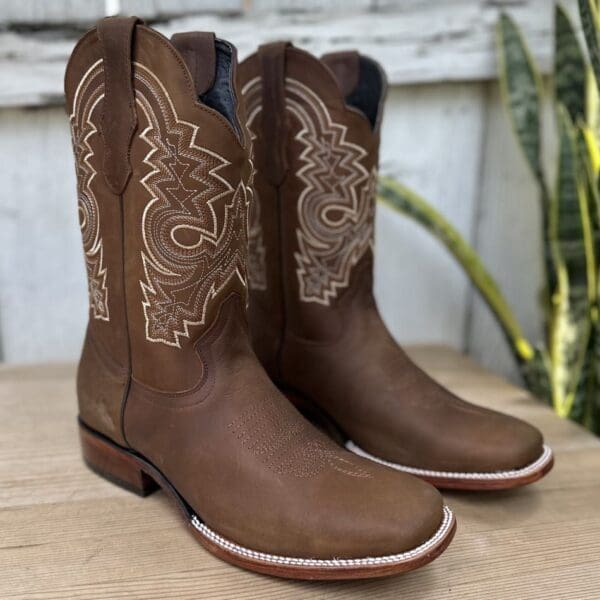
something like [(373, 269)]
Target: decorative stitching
[(535, 466), (336, 206), (124, 54), (190, 87), (287, 447), (88, 95), (257, 267), (334, 563), (195, 224)]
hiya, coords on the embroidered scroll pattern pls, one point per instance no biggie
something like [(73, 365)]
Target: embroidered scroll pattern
[(88, 95), (336, 205), (194, 225), (257, 270)]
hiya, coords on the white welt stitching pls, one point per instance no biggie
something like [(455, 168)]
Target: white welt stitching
[(535, 466), (334, 562)]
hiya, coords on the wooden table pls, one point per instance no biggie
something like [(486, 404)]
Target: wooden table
[(65, 533)]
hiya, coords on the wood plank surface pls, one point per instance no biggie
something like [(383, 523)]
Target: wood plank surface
[(66, 533)]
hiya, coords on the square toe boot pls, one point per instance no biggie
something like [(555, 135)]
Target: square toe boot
[(170, 392), (313, 318)]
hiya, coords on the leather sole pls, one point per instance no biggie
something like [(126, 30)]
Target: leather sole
[(499, 480), (134, 473), (443, 480)]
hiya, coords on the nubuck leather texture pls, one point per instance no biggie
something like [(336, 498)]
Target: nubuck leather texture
[(170, 391), (313, 317)]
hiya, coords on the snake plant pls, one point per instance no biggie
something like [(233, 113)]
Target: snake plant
[(564, 368)]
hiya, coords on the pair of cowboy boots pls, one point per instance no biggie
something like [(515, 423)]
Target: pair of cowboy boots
[(180, 232)]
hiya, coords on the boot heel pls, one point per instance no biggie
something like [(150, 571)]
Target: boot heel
[(114, 463)]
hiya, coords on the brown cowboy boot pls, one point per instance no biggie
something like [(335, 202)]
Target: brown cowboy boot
[(313, 318), (170, 391)]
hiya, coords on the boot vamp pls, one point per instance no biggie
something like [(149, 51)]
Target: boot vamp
[(392, 409), (255, 471)]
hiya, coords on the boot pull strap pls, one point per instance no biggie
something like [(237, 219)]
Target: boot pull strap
[(272, 65), (119, 118), (198, 51)]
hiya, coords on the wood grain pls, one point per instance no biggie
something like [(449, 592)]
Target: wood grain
[(42, 274), (420, 124), (416, 41), (508, 234), (66, 533), (83, 12)]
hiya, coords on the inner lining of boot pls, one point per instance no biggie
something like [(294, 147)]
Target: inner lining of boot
[(221, 96), (366, 96)]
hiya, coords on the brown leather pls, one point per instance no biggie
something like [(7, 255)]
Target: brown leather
[(314, 320), (346, 68), (273, 127), (198, 51), (98, 208), (118, 117), (198, 405), (102, 385)]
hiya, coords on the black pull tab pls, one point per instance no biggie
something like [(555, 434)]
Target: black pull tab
[(119, 118), (272, 61)]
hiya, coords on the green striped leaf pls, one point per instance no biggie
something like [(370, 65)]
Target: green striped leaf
[(571, 225), (587, 159), (590, 20), (401, 199), (591, 417), (520, 84), (569, 67), (586, 406), (521, 89), (570, 236), (536, 374)]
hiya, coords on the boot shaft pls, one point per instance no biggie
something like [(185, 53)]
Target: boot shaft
[(167, 370), (162, 165), (315, 128)]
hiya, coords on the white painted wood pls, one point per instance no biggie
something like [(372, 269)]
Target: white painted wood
[(32, 70), (422, 294), (509, 237), (112, 7), (160, 9), (332, 7), (43, 306), (431, 142), (84, 12), (415, 42), (450, 142), (51, 12)]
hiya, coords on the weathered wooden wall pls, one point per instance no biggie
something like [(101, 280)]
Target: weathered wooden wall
[(445, 134)]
